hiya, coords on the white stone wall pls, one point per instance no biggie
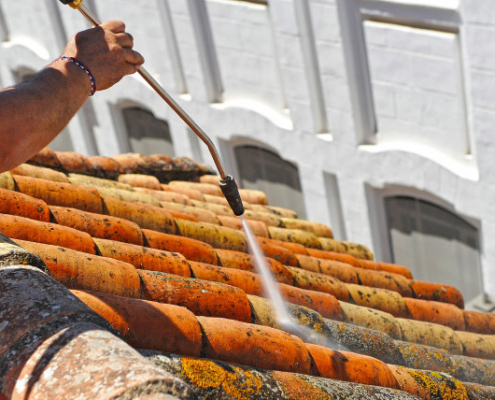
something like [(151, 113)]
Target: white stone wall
[(367, 97)]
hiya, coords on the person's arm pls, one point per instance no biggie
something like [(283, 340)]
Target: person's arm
[(34, 112)]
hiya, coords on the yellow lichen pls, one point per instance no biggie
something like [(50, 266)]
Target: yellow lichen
[(242, 389), (295, 387), (318, 327), (203, 373), (440, 385)]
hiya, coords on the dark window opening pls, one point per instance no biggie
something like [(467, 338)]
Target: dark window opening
[(436, 244), (147, 134), (264, 170)]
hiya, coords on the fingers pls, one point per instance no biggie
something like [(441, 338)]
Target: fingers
[(114, 26), (133, 57), (125, 40)]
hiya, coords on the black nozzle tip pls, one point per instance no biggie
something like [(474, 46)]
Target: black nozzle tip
[(67, 1), (231, 193)]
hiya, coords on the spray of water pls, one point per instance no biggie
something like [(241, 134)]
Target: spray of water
[(283, 316)]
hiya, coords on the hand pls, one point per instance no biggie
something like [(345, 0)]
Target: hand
[(107, 52)]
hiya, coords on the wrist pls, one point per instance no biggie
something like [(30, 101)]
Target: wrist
[(82, 68)]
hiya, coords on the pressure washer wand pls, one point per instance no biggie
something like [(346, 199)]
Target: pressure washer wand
[(227, 183)]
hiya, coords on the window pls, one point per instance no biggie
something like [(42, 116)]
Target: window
[(264, 170), (147, 134), (437, 245)]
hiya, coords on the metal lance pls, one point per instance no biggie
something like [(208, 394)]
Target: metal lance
[(227, 183)]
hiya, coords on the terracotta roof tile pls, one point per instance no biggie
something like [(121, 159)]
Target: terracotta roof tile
[(15, 203), (217, 236), (431, 335), (351, 367), (437, 292), (479, 322), (379, 299), (43, 232), (94, 182), (192, 249), (144, 215), (141, 181), (192, 194), (148, 324), (258, 228), (319, 282), (75, 162), (342, 271), (181, 281), (436, 312), (40, 172), (97, 225), (77, 270), (163, 196), (272, 249), (364, 341), (46, 158), (199, 296), (370, 318), (144, 257), (60, 194), (254, 345), (105, 167), (307, 239), (218, 209)]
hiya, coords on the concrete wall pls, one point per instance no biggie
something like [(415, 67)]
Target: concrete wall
[(368, 98)]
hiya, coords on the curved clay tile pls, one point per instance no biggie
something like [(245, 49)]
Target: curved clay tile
[(201, 297), (436, 312), (315, 228), (146, 216), (75, 162), (371, 318), (60, 194), (40, 172), (77, 270), (215, 235), (22, 205), (141, 181), (192, 249), (337, 269), (437, 292), (98, 225), (148, 324), (254, 345), (46, 158), (307, 239), (144, 257), (43, 232), (478, 322), (357, 250), (105, 167)]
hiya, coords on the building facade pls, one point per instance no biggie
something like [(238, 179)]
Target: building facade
[(374, 116)]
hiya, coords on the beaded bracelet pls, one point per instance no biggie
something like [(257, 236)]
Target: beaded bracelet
[(84, 68)]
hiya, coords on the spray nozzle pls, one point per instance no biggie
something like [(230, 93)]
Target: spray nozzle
[(231, 193)]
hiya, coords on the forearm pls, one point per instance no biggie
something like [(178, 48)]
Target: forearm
[(34, 112)]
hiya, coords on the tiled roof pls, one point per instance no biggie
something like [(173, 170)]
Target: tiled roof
[(161, 262)]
